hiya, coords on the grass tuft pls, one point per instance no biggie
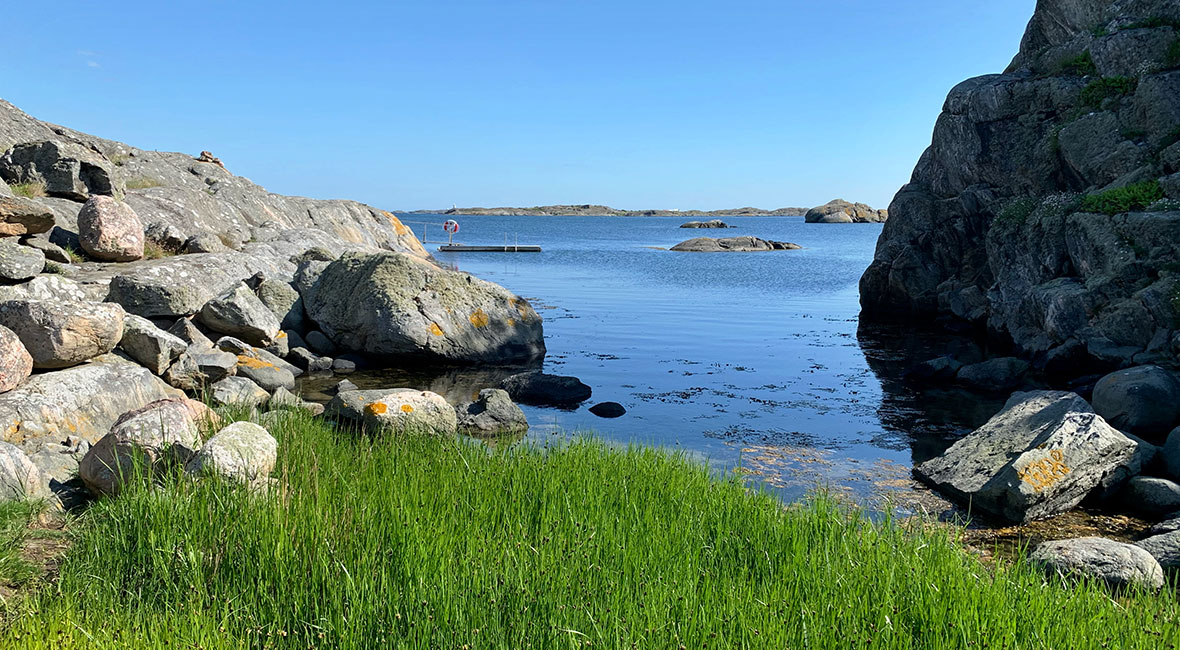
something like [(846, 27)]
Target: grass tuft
[(154, 250), (422, 542), (1081, 65), (142, 183), (1097, 92), (1124, 199), (30, 190)]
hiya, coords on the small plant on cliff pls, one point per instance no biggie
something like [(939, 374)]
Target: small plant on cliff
[(1124, 199), (1017, 210), (142, 183), (1097, 92), (1152, 23), (1081, 65), (1172, 57), (31, 190)]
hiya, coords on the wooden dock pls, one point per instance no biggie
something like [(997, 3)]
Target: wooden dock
[(460, 248)]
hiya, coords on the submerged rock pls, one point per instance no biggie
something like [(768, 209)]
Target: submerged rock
[(1118, 565), (539, 389), (492, 413), (732, 245), (1039, 456), (994, 375), (397, 305)]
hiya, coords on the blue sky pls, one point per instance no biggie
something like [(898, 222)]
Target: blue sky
[(406, 105)]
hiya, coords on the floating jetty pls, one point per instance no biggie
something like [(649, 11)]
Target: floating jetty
[(461, 248)]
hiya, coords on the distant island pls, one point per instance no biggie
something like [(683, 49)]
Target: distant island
[(588, 210)]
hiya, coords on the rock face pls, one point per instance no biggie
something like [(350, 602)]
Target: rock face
[(1143, 400), (1118, 565), (1039, 456), (408, 410), (732, 245), (66, 169), (23, 217), (182, 285), (109, 230), (82, 401), (841, 211), (1038, 213), (19, 263), (63, 334), (15, 363), (712, 223), (396, 305), (243, 452), (19, 477), (491, 413), (540, 389), (151, 439)]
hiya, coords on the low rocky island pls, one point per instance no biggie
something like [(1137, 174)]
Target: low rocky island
[(841, 211), (712, 223), (732, 245), (593, 210)]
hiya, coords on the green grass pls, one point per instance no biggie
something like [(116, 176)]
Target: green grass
[(1017, 210), (1097, 92), (416, 542), (31, 190), (76, 256), (1124, 199), (54, 267), (1152, 23), (142, 183), (1081, 65), (14, 530)]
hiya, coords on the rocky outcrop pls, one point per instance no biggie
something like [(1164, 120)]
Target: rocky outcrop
[(712, 223), (65, 169), (23, 217), (63, 334), (396, 305), (1040, 213), (1039, 456), (841, 211), (109, 230), (732, 245), (1117, 564)]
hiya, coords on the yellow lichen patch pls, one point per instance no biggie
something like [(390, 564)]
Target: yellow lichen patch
[(406, 408), (12, 430), (511, 322), (253, 362), (376, 408), (478, 318), (398, 226), (281, 335), (435, 329)]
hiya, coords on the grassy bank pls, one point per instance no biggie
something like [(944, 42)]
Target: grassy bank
[(425, 543)]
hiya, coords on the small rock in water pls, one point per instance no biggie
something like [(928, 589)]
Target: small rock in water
[(492, 413), (608, 410), (343, 366), (539, 389)]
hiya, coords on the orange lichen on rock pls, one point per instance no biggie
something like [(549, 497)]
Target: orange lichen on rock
[(376, 408), (406, 408), (435, 329), (478, 318), (253, 362)]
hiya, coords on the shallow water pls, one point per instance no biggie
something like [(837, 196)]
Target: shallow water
[(742, 358)]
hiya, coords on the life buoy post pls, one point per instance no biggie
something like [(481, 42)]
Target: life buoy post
[(452, 227)]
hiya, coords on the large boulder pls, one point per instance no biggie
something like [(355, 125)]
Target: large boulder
[(238, 391), (20, 216), (19, 477), (109, 230), (181, 285), (148, 440), (1165, 548), (149, 345), (238, 312), (397, 305), (348, 404), (1144, 400), (242, 452), (407, 410), (284, 302), (82, 401), (841, 211), (539, 389), (63, 334), (15, 363), (1152, 495), (732, 245), (492, 413), (1118, 565), (1039, 456), (19, 263), (67, 170)]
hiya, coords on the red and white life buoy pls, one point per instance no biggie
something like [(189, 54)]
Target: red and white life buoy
[(451, 226)]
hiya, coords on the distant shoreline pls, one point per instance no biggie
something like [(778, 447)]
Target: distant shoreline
[(605, 211)]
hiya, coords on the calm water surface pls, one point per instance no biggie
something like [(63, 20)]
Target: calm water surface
[(741, 358)]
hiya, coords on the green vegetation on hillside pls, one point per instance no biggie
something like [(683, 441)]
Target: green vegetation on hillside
[(1081, 65), (1095, 94), (437, 543), (1124, 199), (31, 190)]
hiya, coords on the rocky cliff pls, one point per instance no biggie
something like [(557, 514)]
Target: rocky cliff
[(1046, 211)]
